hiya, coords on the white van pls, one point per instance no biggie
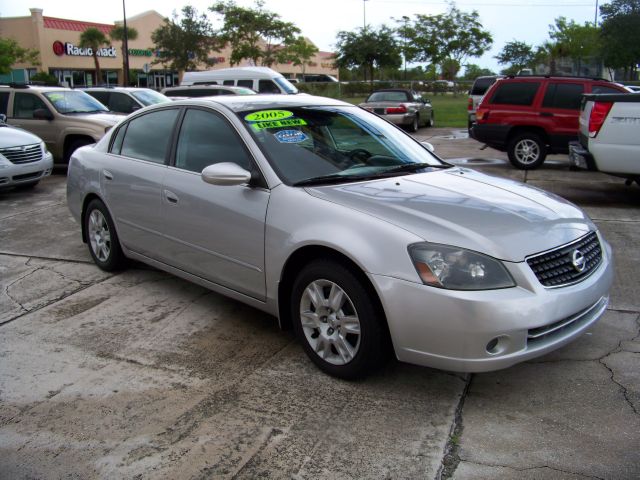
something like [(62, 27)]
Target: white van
[(260, 79)]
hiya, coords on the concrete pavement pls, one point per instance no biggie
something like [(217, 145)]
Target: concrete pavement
[(140, 374)]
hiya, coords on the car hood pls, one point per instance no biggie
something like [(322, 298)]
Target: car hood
[(460, 207), (16, 137), (106, 119)]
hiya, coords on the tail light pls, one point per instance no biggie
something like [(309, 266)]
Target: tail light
[(597, 117), (482, 115), (470, 104), (400, 109)]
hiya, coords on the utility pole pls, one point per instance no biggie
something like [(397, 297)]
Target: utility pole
[(595, 20), (125, 43), (364, 14)]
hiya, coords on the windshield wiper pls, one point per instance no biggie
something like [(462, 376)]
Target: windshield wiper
[(333, 178), (408, 167)]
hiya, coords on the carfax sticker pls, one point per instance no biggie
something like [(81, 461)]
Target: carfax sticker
[(290, 136), (287, 122), (265, 115)]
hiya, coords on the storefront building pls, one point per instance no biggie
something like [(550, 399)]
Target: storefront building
[(57, 41)]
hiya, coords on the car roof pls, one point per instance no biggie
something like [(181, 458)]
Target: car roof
[(114, 88), (238, 103), (568, 78), (37, 88), (393, 90)]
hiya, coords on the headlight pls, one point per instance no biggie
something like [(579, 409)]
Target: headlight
[(458, 269), (44, 148)]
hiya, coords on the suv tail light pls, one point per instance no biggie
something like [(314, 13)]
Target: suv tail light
[(597, 117), (482, 115), (470, 104), (400, 109)]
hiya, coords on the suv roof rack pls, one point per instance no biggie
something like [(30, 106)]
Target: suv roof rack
[(558, 76)]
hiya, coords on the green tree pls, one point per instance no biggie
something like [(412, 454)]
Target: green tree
[(369, 49), (473, 71), (548, 53), (301, 51), (254, 33), (620, 33), (517, 55), (94, 39), (579, 42), (454, 35), (12, 53), (185, 42), (117, 34)]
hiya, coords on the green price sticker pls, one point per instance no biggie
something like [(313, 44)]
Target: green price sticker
[(55, 97), (268, 115), (287, 122)]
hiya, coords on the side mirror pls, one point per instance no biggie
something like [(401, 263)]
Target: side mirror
[(42, 114), (225, 173), (428, 146)]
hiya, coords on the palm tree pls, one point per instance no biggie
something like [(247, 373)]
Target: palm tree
[(117, 34), (94, 39)]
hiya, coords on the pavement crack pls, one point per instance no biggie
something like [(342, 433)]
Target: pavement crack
[(625, 391), (55, 300), (22, 213), (451, 455), (527, 469), (11, 297)]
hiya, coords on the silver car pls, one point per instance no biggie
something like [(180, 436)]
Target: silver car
[(401, 107), (24, 159), (345, 228)]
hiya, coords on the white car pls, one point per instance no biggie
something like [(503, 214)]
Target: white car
[(24, 159)]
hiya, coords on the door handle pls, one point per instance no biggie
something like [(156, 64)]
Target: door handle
[(170, 196), (546, 114), (107, 174)]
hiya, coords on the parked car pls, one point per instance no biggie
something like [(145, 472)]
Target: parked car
[(346, 228), (531, 116), (609, 140), (24, 159), (126, 99), (478, 89), (65, 119), (402, 107), (192, 91), (633, 88), (317, 78), (259, 79)]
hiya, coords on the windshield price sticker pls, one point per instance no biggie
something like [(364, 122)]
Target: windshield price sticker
[(290, 136), (287, 122), (266, 115)]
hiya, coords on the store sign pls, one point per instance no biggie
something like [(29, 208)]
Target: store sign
[(70, 49), (139, 52)]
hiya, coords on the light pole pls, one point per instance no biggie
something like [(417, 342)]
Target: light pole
[(364, 14), (125, 44), (595, 20)]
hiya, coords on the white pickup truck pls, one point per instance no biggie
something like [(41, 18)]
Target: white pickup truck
[(609, 137)]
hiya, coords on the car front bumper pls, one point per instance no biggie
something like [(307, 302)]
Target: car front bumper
[(479, 331), (14, 175)]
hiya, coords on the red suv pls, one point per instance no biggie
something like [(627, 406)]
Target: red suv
[(531, 116)]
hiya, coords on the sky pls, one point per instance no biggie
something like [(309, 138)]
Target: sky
[(321, 20)]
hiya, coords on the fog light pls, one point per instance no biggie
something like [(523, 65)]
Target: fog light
[(498, 345)]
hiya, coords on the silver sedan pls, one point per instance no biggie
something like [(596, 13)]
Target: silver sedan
[(346, 229), (401, 107)]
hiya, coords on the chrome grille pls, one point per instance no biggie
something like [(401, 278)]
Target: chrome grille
[(26, 154), (556, 268)]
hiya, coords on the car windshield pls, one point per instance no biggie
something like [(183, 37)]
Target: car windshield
[(286, 85), (308, 145), (149, 97), (74, 102)]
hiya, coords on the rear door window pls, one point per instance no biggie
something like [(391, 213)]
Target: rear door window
[(4, 102), (231, 82), (515, 93), (603, 89), (24, 104), (245, 83), (119, 102), (563, 95), (148, 137)]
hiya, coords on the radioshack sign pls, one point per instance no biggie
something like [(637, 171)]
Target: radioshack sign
[(70, 49)]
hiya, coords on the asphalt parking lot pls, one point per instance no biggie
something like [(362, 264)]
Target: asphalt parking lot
[(142, 375)]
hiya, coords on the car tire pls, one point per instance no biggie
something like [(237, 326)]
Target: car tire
[(340, 328), (73, 146), (102, 238), (527, 151), (415, 124), (432, 120)]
